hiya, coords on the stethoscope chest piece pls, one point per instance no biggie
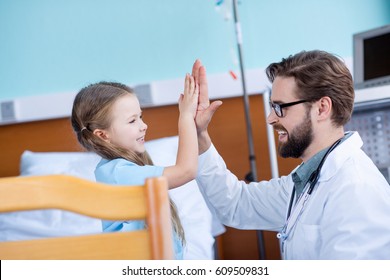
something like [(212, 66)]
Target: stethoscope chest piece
[(282, 236)]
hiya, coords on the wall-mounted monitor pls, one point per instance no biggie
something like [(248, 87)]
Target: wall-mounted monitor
[(371, 57)]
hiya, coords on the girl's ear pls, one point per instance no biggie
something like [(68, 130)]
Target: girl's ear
[(102, 134)]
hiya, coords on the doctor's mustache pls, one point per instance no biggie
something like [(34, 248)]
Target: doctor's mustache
[(279, 127)]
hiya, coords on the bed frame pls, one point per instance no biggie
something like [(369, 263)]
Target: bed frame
[(228, 131)]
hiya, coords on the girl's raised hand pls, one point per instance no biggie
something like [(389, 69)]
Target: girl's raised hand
[(188, 101)]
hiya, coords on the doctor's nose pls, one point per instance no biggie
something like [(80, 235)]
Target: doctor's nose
[(272, 118)]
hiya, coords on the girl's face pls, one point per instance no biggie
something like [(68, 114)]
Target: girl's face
[(127, 129)]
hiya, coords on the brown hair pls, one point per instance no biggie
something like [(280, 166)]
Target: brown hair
[(92, 110), (318, 74)]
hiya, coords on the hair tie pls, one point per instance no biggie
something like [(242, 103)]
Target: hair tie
[(84, 128)]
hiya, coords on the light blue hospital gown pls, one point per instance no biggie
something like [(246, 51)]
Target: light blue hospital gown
[(123, 172)]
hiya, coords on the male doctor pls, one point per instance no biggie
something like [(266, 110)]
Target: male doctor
[(336, 203)]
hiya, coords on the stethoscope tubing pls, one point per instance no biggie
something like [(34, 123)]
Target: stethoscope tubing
[(284, 233)]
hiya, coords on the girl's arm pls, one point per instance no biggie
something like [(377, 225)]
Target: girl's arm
[(186, 165)]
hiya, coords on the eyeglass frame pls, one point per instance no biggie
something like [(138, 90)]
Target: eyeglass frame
[(284, 105)]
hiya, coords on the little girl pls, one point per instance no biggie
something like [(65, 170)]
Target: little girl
[(108, 121)]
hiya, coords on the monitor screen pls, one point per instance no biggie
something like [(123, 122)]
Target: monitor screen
[(377, 57), (372, 57)]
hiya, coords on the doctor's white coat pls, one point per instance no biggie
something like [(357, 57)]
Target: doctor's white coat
[(346, 217)]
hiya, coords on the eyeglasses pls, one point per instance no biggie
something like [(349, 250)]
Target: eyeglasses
[(278, 107)]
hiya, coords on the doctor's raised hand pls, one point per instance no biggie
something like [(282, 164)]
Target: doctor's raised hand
[(205, 110)]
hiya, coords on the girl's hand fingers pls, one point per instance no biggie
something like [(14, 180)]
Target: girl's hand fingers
[(186, 84), (192, 85), (181, 98)]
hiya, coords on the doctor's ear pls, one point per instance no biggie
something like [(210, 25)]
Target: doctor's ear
[(102, 134), (324, 107)]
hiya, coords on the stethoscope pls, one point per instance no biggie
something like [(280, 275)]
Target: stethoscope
[(293, 216)]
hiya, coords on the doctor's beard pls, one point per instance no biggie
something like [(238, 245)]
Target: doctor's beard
[(298, 140)]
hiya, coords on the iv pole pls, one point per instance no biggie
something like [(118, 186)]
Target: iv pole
[(252, 176)]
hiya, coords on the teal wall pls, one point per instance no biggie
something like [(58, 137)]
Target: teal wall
[(49, 46)]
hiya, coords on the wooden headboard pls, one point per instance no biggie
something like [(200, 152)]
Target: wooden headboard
[(228, 131)]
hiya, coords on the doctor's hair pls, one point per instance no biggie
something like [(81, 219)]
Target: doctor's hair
[(318, 74), (92, 109)]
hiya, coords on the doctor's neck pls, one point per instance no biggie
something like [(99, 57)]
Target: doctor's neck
[(322, 141)]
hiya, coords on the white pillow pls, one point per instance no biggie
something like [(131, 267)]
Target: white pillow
[(77, 164)]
